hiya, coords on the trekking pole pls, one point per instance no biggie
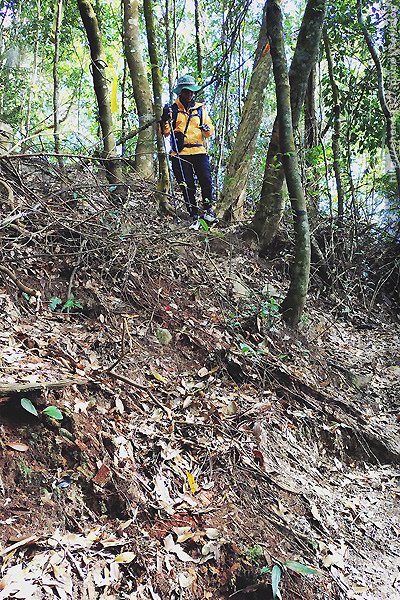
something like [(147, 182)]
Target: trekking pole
[(178, 157), (171, 180)]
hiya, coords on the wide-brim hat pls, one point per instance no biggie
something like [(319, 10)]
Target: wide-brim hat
[(186, 82)]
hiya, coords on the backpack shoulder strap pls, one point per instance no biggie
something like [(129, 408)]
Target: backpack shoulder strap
[(200, 114)]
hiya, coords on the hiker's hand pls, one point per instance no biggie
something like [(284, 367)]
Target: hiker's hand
[(205, 127), (166, 114)]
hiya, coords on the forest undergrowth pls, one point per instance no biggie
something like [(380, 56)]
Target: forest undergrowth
[(163, 433)]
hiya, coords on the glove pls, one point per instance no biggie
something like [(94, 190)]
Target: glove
[(204, 127), (166, 113)]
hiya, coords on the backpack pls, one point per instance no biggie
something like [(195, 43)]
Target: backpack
[(175, 110)]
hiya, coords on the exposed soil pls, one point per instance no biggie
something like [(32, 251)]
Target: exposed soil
[(203, 444)]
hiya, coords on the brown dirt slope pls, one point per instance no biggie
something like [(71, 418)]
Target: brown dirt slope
[(204, 450)]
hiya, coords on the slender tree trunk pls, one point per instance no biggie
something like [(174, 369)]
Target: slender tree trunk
[(144, 164), (271, 205), (31, 92), (224, 122), (58, 14), (293, 305), (231, 203), (310, 141), (199, 43), (310, 120), (168, 18), (163, 174), (123, 105), (336, 133), (390, 129), (101, 88)]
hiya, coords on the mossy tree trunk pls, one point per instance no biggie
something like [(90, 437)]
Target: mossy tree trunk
[(293, 304), (101, 88), (163, 175), (230, 205), (271, 205), (144, 162)]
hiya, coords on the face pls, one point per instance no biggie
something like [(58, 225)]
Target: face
[(186, 95)]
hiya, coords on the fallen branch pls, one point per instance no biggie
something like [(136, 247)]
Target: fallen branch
[(14, 388), (132, 134), (9, 220), (25, 542), (21, 286)]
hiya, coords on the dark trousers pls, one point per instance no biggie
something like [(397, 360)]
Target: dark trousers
[(185, 168)]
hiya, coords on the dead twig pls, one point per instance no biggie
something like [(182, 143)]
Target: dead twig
[(141, 387)]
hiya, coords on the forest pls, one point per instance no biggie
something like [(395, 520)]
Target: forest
[(211, 413)]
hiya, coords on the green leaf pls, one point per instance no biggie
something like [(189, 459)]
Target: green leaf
[(246, 349), (204, 225), (265, 570), (275, 579), (71, 303), (28, 406), (53, 412), (54, 302), (300, 568)]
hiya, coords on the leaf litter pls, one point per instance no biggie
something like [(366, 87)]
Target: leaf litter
[(222, 439)]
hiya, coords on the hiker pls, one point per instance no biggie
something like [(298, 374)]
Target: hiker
[(189, 124)]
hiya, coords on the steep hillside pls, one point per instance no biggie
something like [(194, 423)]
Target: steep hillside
[(204, 450)]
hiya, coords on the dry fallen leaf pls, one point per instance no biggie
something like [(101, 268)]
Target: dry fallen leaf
[(125, 557), (192, 482), (211, 533), (159, 377), (18, 446), (359, 588), (102, 476)]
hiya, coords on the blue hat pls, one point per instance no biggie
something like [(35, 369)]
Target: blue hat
[(186, 82)]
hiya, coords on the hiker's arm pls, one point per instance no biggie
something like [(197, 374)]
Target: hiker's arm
[(165, 123), (165, 127), (207, 121)]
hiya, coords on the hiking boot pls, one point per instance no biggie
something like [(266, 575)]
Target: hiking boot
[(210, 217), (195, 226)]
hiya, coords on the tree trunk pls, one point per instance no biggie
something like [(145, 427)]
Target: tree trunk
[(144, 164), (100, 83), (169, 42), (390, 128), (163, 173), (199, 44), (293, 305), (34, 74), (230, 206), (58, 13), (310, 120), (310, 141), (271, 205), (336, 133)]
